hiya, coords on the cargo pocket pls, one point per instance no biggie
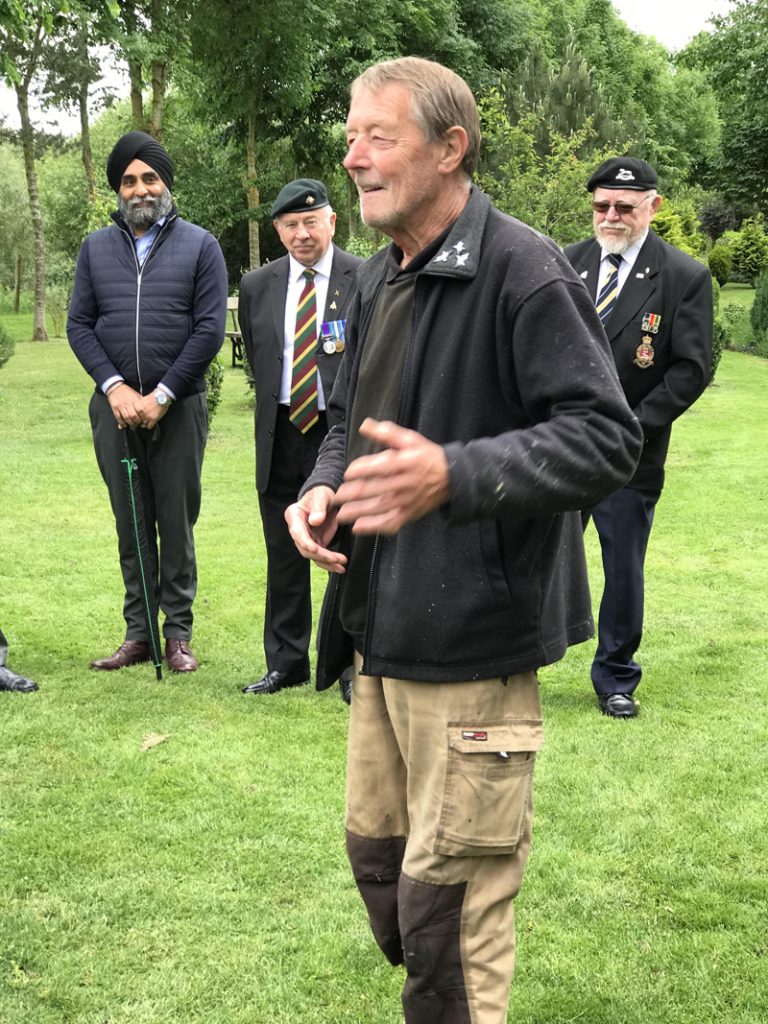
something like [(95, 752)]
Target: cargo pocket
[(487, 787)]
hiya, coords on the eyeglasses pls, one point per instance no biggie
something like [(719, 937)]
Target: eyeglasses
[(622, 209)]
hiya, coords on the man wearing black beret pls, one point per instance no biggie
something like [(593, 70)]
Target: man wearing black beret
[(656, 306), (292, 315), (147, 317)]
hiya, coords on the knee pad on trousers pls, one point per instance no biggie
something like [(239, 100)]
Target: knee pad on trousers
[(376, 867), (430, 925)]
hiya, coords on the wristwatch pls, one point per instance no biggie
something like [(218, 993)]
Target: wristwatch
[(163, 398)]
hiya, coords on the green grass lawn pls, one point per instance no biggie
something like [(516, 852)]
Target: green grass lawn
[(204, 879)]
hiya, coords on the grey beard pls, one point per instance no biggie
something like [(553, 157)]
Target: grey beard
[(141, 217)]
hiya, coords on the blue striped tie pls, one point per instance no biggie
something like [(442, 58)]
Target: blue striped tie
[(606, 300)]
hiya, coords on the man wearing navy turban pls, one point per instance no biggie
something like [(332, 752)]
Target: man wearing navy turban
[(147, 317)]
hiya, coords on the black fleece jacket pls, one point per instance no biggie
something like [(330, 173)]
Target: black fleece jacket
[(508, 368)]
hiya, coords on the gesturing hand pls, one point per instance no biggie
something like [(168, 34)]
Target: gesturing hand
[(383, 492)]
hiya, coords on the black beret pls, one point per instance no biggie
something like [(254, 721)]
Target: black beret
[(138, 146), (624, 172), (297, 196)]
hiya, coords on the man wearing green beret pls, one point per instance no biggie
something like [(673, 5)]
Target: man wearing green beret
[(292, 315)]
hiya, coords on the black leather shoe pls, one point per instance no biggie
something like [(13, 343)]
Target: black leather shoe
[(15, 683), (275, 681), (617, 705), (345, 685)]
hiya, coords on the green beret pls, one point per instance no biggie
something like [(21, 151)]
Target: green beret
[(299, 196)]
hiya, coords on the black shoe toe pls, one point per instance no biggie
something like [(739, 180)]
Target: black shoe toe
[(617, 705)]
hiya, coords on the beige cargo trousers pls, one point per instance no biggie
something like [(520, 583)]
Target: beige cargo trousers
[(439, 809)]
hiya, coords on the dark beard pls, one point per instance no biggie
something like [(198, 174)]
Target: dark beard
[(141, 214)]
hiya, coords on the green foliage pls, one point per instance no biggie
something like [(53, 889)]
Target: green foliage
[(716, 215), (758, 316), (734, 60), (676, 223), (544, 190), (750, 250), (214, 379), (720, 263), (364, 245), (7, 345)]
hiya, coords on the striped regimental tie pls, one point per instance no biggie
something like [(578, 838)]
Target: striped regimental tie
[(303, 409), (606, 298)]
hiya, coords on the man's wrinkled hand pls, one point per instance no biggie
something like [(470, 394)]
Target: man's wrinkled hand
[(402, 483), (127, 406), (312, 524)]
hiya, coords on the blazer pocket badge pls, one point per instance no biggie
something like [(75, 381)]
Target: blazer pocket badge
[(332, 336), (644, 353)]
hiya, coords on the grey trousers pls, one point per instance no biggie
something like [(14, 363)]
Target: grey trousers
[(169, 461)]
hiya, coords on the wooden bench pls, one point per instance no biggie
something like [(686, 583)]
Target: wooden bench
[(235, 334)]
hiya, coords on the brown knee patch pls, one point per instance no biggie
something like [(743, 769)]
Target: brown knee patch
[(430, 925), (376, 865)]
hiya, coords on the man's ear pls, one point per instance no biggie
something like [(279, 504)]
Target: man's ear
[(455, 143)]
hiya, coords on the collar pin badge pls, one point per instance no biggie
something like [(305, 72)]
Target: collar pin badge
[(333, 305)]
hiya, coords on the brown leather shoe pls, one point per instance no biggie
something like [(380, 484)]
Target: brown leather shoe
[(130, 652), (180, 658)]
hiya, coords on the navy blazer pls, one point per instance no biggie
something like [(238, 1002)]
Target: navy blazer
[(663, 379), (261, 312)]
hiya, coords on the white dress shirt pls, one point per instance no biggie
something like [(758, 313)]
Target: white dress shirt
[(628, 260)]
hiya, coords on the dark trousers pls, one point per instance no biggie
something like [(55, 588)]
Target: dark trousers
[(288, 614), (169, 462), (623, 522)]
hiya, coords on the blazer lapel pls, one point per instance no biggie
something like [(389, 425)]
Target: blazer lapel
[(637, 290), (587, 266), (278, 286), (338, 289)]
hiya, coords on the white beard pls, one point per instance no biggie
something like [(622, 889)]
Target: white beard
[(614, 244)]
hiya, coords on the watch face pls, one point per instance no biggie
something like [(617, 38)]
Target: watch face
[(161, 398)]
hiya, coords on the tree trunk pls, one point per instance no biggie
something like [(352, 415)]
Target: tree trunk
[(158, 99), (17, 284), (254, 198), (128, 14), (38, 234), (137, 102), (85, 128), (85, 142)]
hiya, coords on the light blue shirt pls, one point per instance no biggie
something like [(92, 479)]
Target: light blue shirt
[(145, 243)]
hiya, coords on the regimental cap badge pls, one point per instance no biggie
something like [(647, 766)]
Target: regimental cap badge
[(624, 175), (310, 200)]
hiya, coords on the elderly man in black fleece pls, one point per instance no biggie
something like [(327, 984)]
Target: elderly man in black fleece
[(146, 319), (477, 407)]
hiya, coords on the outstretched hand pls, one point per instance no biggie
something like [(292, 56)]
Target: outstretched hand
[(383, 492)]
